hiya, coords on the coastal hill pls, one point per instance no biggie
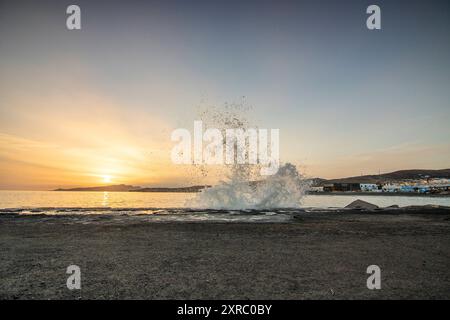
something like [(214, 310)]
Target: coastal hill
[(118, 187), (392, 177), (180, 189), (128, 188), (395, 176)]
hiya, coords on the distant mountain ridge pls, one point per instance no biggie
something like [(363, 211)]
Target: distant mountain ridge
[(179, 189), (389, 177), (118, 187), (129, 188), (395, 176)]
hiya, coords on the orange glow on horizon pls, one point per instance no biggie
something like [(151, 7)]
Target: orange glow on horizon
[(107, 178)]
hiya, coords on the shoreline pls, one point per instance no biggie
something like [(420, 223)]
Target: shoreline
[(313, 193), (388, 194), (335, 193)]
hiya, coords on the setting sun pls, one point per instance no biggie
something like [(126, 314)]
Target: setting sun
[(106, 178)]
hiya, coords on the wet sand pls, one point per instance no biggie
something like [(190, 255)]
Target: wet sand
[(317, 256)]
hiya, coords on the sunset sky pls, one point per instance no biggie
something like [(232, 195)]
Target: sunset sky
[(97, 105)]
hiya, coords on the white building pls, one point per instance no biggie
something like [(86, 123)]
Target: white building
[(391, 188), (316, 189), (368, 187)]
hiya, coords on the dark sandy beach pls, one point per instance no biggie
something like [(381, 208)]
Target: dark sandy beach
[(317, 256)]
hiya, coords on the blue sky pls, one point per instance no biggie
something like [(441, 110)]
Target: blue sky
[(347, 100)]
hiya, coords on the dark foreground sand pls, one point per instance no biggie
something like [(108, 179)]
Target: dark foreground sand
[(323, 255)]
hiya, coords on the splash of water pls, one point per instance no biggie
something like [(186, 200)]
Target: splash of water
[(243, 186), (285, 189)]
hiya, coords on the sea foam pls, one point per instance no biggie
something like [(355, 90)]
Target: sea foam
[(285, 189), (242, 186)]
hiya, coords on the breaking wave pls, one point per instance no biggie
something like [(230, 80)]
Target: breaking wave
[(243, 187), (285, 189)]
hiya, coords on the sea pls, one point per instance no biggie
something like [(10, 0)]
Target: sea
[(156, 206)]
